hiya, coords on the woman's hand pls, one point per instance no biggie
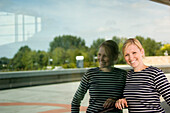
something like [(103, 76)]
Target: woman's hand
[(121, 103), (110, 102)]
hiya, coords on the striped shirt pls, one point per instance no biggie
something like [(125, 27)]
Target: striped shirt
[(101, 86), (143, 90)]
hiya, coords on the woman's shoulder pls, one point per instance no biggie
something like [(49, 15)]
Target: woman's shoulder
[(120, 70), (154, 69), (149, 69), (93, 70), (90, 72)]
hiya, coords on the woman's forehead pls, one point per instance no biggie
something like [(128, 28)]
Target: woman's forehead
[(131, 47), (101, 49), (104, 50)]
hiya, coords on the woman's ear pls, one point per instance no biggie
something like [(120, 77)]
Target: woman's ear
[(143, 52)]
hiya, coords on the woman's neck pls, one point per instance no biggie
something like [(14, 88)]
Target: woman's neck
[(142, 67), (109, 69)]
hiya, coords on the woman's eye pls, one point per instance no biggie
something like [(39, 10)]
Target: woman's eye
[(126, 55), (134, 52)]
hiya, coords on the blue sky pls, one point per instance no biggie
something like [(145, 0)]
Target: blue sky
[(92, 19)]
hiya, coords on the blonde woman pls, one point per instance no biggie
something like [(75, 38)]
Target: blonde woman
[(144, 84)]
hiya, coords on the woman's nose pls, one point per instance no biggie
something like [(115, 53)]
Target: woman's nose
[(101, 58), (130, 57)]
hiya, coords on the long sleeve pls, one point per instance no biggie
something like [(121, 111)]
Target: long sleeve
[(124, 74), (143, 90), (101, 86), (79, 95), (163, 86)]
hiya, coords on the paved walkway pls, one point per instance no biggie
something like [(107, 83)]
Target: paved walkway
[(39, 99), (54, 98)]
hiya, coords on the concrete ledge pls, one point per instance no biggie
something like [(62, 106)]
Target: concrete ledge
[(164, 68), (31, 78)]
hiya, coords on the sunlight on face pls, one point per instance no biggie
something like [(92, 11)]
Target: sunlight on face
[(133, 56)]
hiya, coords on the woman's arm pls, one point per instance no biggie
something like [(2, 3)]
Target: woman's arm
[(110, 102), (79, 95), (163, 86)]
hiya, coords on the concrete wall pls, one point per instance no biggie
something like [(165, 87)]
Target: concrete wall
[(31, 78), (157, 60)]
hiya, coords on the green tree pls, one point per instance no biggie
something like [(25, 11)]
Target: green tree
[(67, 42), (4, 63), (71, 55), (59, 56), (29, 61), (42, 59), (64, 49), (24, 59), (20, 57), (120, 42), (150, 46), (165, 49), (116, 39)]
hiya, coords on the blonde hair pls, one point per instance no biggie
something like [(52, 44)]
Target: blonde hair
[(132, 41)]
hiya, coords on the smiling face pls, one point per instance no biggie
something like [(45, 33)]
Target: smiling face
[(104, 59), (133, 56)]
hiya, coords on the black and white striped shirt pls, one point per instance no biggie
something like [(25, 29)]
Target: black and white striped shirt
[(101, 86), (143, 90)]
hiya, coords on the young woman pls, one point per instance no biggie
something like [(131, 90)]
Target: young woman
[(144, 84), (104, 82)]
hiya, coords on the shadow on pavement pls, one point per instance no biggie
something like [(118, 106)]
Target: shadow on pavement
[(165, 106)]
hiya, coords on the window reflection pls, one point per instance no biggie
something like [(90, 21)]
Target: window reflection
[(17, 27)]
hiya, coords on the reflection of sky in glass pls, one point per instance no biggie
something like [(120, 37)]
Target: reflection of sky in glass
[(87, 19), (25, 27), (91, 19), (6, 27)]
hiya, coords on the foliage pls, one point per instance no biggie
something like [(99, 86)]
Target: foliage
[(120, 42), (70, 65), (58, 56), (26, 59), (42, 59), (4, 63), (21, 57), (95, 45), (150, 46), (166, 48), (67, 42), (64, 49)]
